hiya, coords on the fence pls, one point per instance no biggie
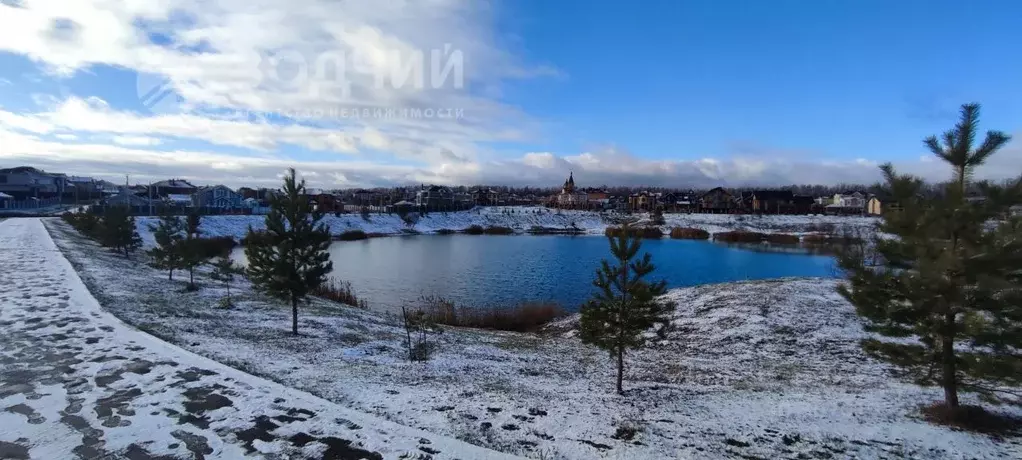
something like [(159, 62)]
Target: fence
[(29, 204)]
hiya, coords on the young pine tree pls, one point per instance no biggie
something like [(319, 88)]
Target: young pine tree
[(169, 234), (117, 230), (626, 305), (224, 270), (950, 277), (192, 250), (291, 259)]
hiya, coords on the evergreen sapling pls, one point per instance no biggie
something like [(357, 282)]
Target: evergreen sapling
[(946, 274), (291, 258), (626, 306)]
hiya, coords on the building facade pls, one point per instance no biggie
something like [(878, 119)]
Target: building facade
[(570, 197)]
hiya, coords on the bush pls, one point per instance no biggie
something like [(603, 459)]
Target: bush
[(782, 238), (474, 230), (445, 231), (739, 236), (340, 291), (641, 232), (525, 317), (679, 233), (86, 223), (215, 246), (818, 238), (253, 237), (495, 230), (353, 235)]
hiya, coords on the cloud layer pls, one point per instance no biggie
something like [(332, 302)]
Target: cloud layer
[(235, 91)]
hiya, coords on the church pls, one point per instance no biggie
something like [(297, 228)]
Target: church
[(571, 197)]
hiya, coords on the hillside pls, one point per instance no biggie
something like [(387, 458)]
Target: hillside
[(522, 219)]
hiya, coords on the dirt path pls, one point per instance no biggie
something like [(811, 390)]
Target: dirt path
[(75, 382)]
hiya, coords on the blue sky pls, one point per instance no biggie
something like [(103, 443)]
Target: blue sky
[(667, 93)]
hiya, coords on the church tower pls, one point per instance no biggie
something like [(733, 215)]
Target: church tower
[(569, 185)]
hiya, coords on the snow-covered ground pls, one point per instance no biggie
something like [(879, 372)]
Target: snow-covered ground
[(768, 369), (524, 218), (76, 382)]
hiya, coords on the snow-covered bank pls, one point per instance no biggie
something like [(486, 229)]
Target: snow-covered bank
[(768, 369), (76, 382), (522, 219)]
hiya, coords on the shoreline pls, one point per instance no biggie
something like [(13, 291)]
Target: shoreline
[(520, 220)]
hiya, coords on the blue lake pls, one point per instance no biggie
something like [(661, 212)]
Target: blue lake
[(482, 270)]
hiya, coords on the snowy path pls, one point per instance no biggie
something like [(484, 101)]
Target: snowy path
[(75, 382)]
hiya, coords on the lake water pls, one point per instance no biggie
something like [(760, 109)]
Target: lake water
[(482, 270)]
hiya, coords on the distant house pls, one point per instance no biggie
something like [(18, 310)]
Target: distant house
[(717, 200), (127, 198), (173, 187), (175, 199), (643, 201), (435, 197), (805, 204), (323, 200), (248, 192), (484, 196), (27, 182), (874, 206), (772, 201), (850, 199), (217, 196), (851, 202)]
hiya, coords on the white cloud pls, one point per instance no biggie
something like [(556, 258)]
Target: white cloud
[(136, 140), (596, 168)]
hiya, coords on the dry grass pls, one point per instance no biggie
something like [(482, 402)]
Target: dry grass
[(739, 236), (340, 291), (641, 232), (679, 233), (818, 238), (353, 235), (782, 238), (492, 230), (525, 317)]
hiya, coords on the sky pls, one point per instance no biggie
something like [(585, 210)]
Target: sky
[(367, 93)]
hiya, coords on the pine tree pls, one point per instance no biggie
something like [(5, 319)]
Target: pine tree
[(192, 250), (224, 270), (169, 233), (626, 306), (292, 258), (950, 275), (117, 230)]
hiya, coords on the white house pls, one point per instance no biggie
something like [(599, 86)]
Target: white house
[(850, 200)]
